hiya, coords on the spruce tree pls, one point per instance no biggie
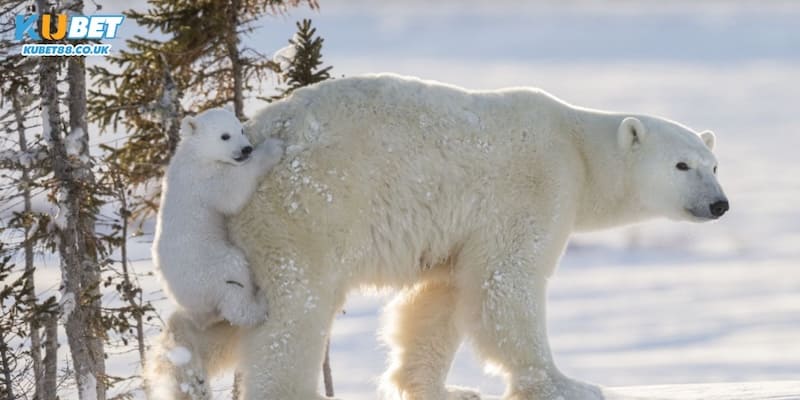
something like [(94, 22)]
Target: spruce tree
[(25, 170), (300, 62), (67, 142), (152, 84)]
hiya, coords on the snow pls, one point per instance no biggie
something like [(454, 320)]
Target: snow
[(67, 306), (15, 157), (24, 159), (73, 143), (63, 211), (87, 387), (716, 391), (729, 391), (46, 124), (179, 356), (285, 56), (168, 97)]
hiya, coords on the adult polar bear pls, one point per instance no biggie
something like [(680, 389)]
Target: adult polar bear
[(462, 200)]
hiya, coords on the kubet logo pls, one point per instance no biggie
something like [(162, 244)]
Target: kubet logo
[(71, 27)]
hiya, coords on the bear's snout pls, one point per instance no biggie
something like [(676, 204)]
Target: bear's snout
[(247, 150), (718, 208)]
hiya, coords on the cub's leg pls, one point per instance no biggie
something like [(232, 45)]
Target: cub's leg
[(421, 330), (240, 301)]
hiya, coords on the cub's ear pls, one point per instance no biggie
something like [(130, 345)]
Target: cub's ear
[(189, 126), (631, 132), (709, 139)]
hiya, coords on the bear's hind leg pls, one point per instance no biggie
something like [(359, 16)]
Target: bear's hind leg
[(422, 333), (183, 358), (285, 353)]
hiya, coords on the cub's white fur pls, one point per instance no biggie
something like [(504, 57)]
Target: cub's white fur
[(462, 200), (213, 173)]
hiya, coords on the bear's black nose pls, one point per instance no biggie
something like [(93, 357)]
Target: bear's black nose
[(719, 207), (247, 150)]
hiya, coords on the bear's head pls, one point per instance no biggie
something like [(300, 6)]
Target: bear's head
[(674, 172), (216, 135)]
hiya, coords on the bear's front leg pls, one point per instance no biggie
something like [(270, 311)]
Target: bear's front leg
[(505, 314)]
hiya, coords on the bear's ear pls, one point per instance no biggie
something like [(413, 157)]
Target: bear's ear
[(189, 126), (709, 139), (631, 132)]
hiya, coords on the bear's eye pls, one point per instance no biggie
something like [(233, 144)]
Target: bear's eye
[(715, 170), (225, 136), (682, 166)]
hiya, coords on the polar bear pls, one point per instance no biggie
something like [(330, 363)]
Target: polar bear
[(212, 175), (463, 201)]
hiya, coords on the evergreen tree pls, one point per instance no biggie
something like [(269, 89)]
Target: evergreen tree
[(12, 326), (299, 63), (18, 377), (147, 90), (154, 83), (67, 143), (24, 170)]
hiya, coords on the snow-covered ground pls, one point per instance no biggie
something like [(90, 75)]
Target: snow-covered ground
[(657, 303)]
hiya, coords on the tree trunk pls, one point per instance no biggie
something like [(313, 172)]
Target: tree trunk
[(50, 362), (236, 393), (85, 266), (169, 106), (128, 290), (30, 291), (232, 45), (5, 364), (327, 377), (75, 224), (48, 81)]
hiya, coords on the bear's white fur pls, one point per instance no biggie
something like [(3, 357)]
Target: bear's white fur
[(212, 175), (462, 200)]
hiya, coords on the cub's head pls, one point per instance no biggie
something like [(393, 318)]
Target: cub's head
[(216, 135), (674, 169)]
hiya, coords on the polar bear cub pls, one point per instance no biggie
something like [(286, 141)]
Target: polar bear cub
[(212, 175)]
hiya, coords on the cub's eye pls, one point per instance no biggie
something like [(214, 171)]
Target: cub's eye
[(715, 169), (682, 166), (225, 136)]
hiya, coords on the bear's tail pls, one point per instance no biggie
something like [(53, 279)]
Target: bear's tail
[(184, 357)]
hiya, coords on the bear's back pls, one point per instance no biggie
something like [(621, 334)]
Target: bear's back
[(386, 148)]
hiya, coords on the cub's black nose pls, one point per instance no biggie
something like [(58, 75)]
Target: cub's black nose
[(247, 150), (718, 208)]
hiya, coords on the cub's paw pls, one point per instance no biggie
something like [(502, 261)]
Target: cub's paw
[(271, 152), (243, 309), (236, 261), (273, 147)]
